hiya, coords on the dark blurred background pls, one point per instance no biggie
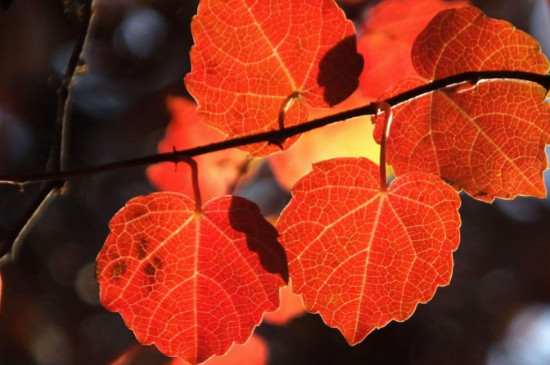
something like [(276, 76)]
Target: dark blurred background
[(496, 310)]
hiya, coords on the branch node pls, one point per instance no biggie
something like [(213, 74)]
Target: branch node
[(277, 142)]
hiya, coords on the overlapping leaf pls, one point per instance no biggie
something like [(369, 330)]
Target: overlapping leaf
[(186, 131), (361, 257), (387, 36), (488, 139), (254, 61), (291, 306), (191, 283)]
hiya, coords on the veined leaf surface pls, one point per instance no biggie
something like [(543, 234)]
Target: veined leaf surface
[(254, 61), (362, 257), (192, 283)]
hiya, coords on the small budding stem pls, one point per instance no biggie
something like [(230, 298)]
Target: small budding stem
[(195, 181), (286, 106), (282, 113), (383, 106)]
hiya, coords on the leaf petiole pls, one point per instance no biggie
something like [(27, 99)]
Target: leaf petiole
[(384, 107), (195, 181)]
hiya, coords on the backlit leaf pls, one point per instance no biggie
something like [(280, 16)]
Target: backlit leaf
[(252, 58), (361, 257), (488, 138), (291, 306), (191, 283), (387, 36), (186, 131)]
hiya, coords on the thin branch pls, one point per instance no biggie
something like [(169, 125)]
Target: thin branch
[(58, 153), (282, 134), (49, 190), (10, 248)]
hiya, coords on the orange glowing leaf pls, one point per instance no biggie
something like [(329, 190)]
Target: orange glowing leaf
[(387, 36), (291, 306), (254, 62), (253, 352), (362, 257), (191, 283), (186, 131), (351, 138), (488, 138)]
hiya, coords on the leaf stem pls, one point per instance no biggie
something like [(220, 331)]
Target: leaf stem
[(195, 181), (281, 134), (383, 106), (286, 106)]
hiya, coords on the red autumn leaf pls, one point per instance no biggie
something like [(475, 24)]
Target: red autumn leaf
[(349, 139), (361, 257), (291, 306), (192, 283), (253, 352), (387, 36), (186, 131), (488, 138), (253, 60)]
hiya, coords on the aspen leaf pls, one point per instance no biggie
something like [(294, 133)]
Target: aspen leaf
[(488, 138), (291, 306), (387, 36), (191, 283), (256, 60), (186, 131), (361, 257)]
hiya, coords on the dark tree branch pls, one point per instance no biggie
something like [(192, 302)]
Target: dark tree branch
[(60, 140), (8, 250), (282, 134)]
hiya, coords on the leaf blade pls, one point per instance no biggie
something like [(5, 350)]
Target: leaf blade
[(165, 269), (251, 57), (487, 139), (336, 231)]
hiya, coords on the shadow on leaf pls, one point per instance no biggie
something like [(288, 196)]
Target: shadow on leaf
[(339, 71), (261, 236)]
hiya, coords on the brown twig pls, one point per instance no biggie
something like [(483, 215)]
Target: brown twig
[(282, 134), (57, 158)]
